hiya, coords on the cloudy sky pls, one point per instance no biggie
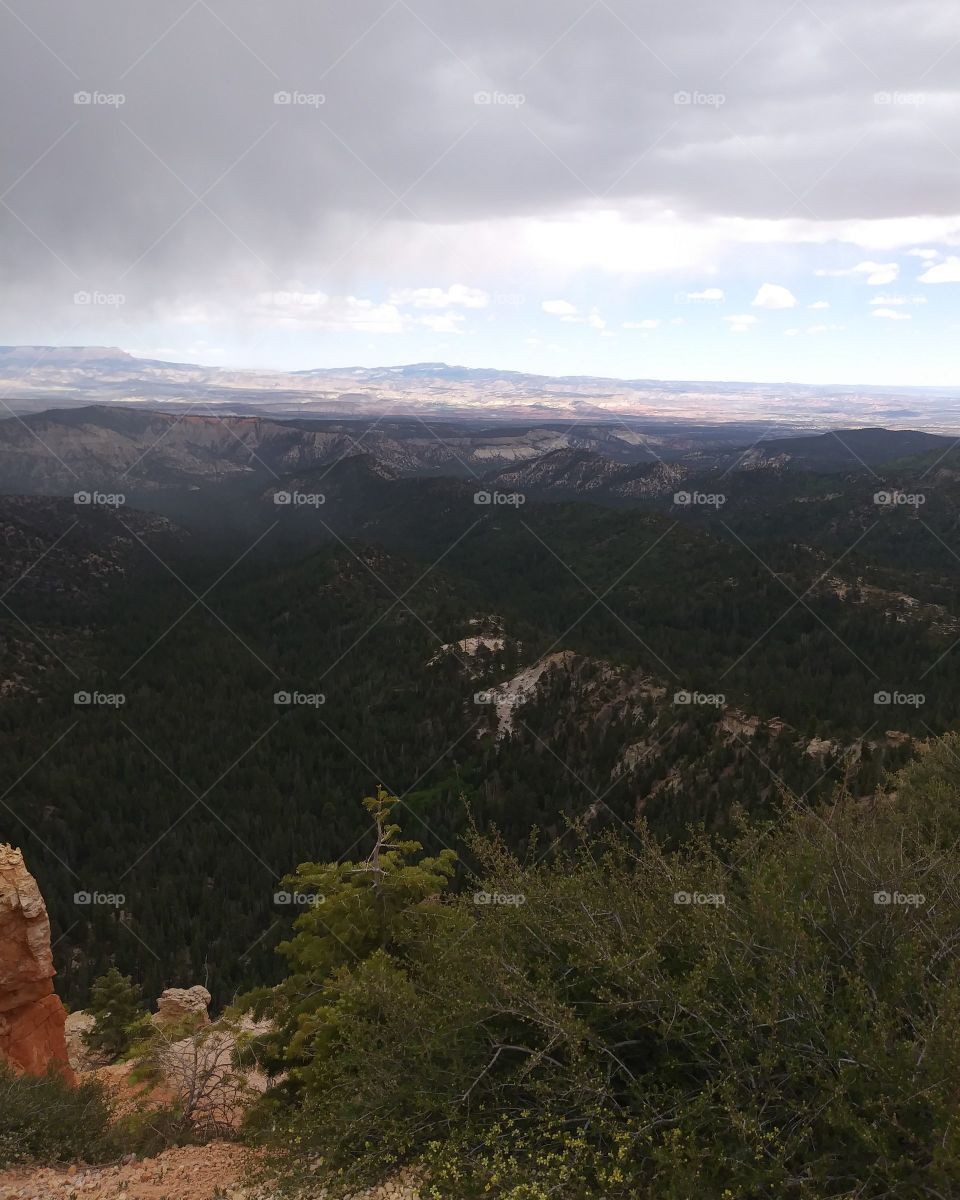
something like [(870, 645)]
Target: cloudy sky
[(755, 190)]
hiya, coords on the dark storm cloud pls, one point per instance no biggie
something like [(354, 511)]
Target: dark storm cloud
[(198, 178)]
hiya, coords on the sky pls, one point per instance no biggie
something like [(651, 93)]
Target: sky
[(760, 190)]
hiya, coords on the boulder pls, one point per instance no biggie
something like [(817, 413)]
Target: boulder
[(31, 1016), (78, 1024), (183, 1006)]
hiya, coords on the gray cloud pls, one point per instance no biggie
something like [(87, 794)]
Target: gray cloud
[(199, 183)]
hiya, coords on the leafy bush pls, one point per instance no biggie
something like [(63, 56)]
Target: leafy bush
[(773, 1016), (149, 1130), (46, 1119)]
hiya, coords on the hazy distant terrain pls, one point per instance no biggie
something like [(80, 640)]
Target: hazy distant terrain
[(34, 378)]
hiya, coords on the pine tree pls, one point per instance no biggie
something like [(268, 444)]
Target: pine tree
[(352, 910), (115, 1004)]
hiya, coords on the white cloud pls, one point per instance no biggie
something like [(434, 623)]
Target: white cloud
[(868, 233), (649, 323), (877, 273), (898, 301), (292, 307), (649, 239), (458, 295), (316, 310), (442, 322), (819, 304), (891, 314), (559, 308), (945, 272), (924, 253), (570, 313), (708, 294), (368, 316), (193, 352), (880, 273), (741, 323), (772, 295), (813, 330)]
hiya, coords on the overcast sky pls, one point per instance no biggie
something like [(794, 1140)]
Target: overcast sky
[(754, 190)]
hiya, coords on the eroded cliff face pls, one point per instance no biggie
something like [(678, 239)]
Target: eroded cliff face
[(31, 1015)]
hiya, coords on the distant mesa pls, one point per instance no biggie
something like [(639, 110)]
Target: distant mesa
[(37, 378)]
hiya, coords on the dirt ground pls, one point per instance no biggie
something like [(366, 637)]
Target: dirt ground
[(211, 1172), (185, 1173)]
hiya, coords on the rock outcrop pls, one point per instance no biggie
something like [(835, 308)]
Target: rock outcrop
[(178, 1005), (31, 1015), (78, 1025)]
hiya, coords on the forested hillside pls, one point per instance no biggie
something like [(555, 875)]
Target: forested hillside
[(667, 660)]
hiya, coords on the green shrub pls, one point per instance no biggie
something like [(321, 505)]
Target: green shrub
[(791, 1031), (149, 1131), (45, 1119)]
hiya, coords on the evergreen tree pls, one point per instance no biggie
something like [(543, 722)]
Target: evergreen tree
[(115, 1004), (352, 911)]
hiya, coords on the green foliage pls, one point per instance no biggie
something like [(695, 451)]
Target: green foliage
[(149, 1130), (352, 914), (45, 1119), (325, 616), (115, 1003), (786, 1033)]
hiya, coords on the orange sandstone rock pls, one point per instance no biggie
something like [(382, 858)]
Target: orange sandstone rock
[(31, 1015)]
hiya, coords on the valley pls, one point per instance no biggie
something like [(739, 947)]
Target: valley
[(596, 650)]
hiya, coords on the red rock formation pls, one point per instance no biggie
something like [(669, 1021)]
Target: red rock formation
[(31, 1016)]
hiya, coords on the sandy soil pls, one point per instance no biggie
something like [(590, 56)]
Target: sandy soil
[(185, 1173)]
